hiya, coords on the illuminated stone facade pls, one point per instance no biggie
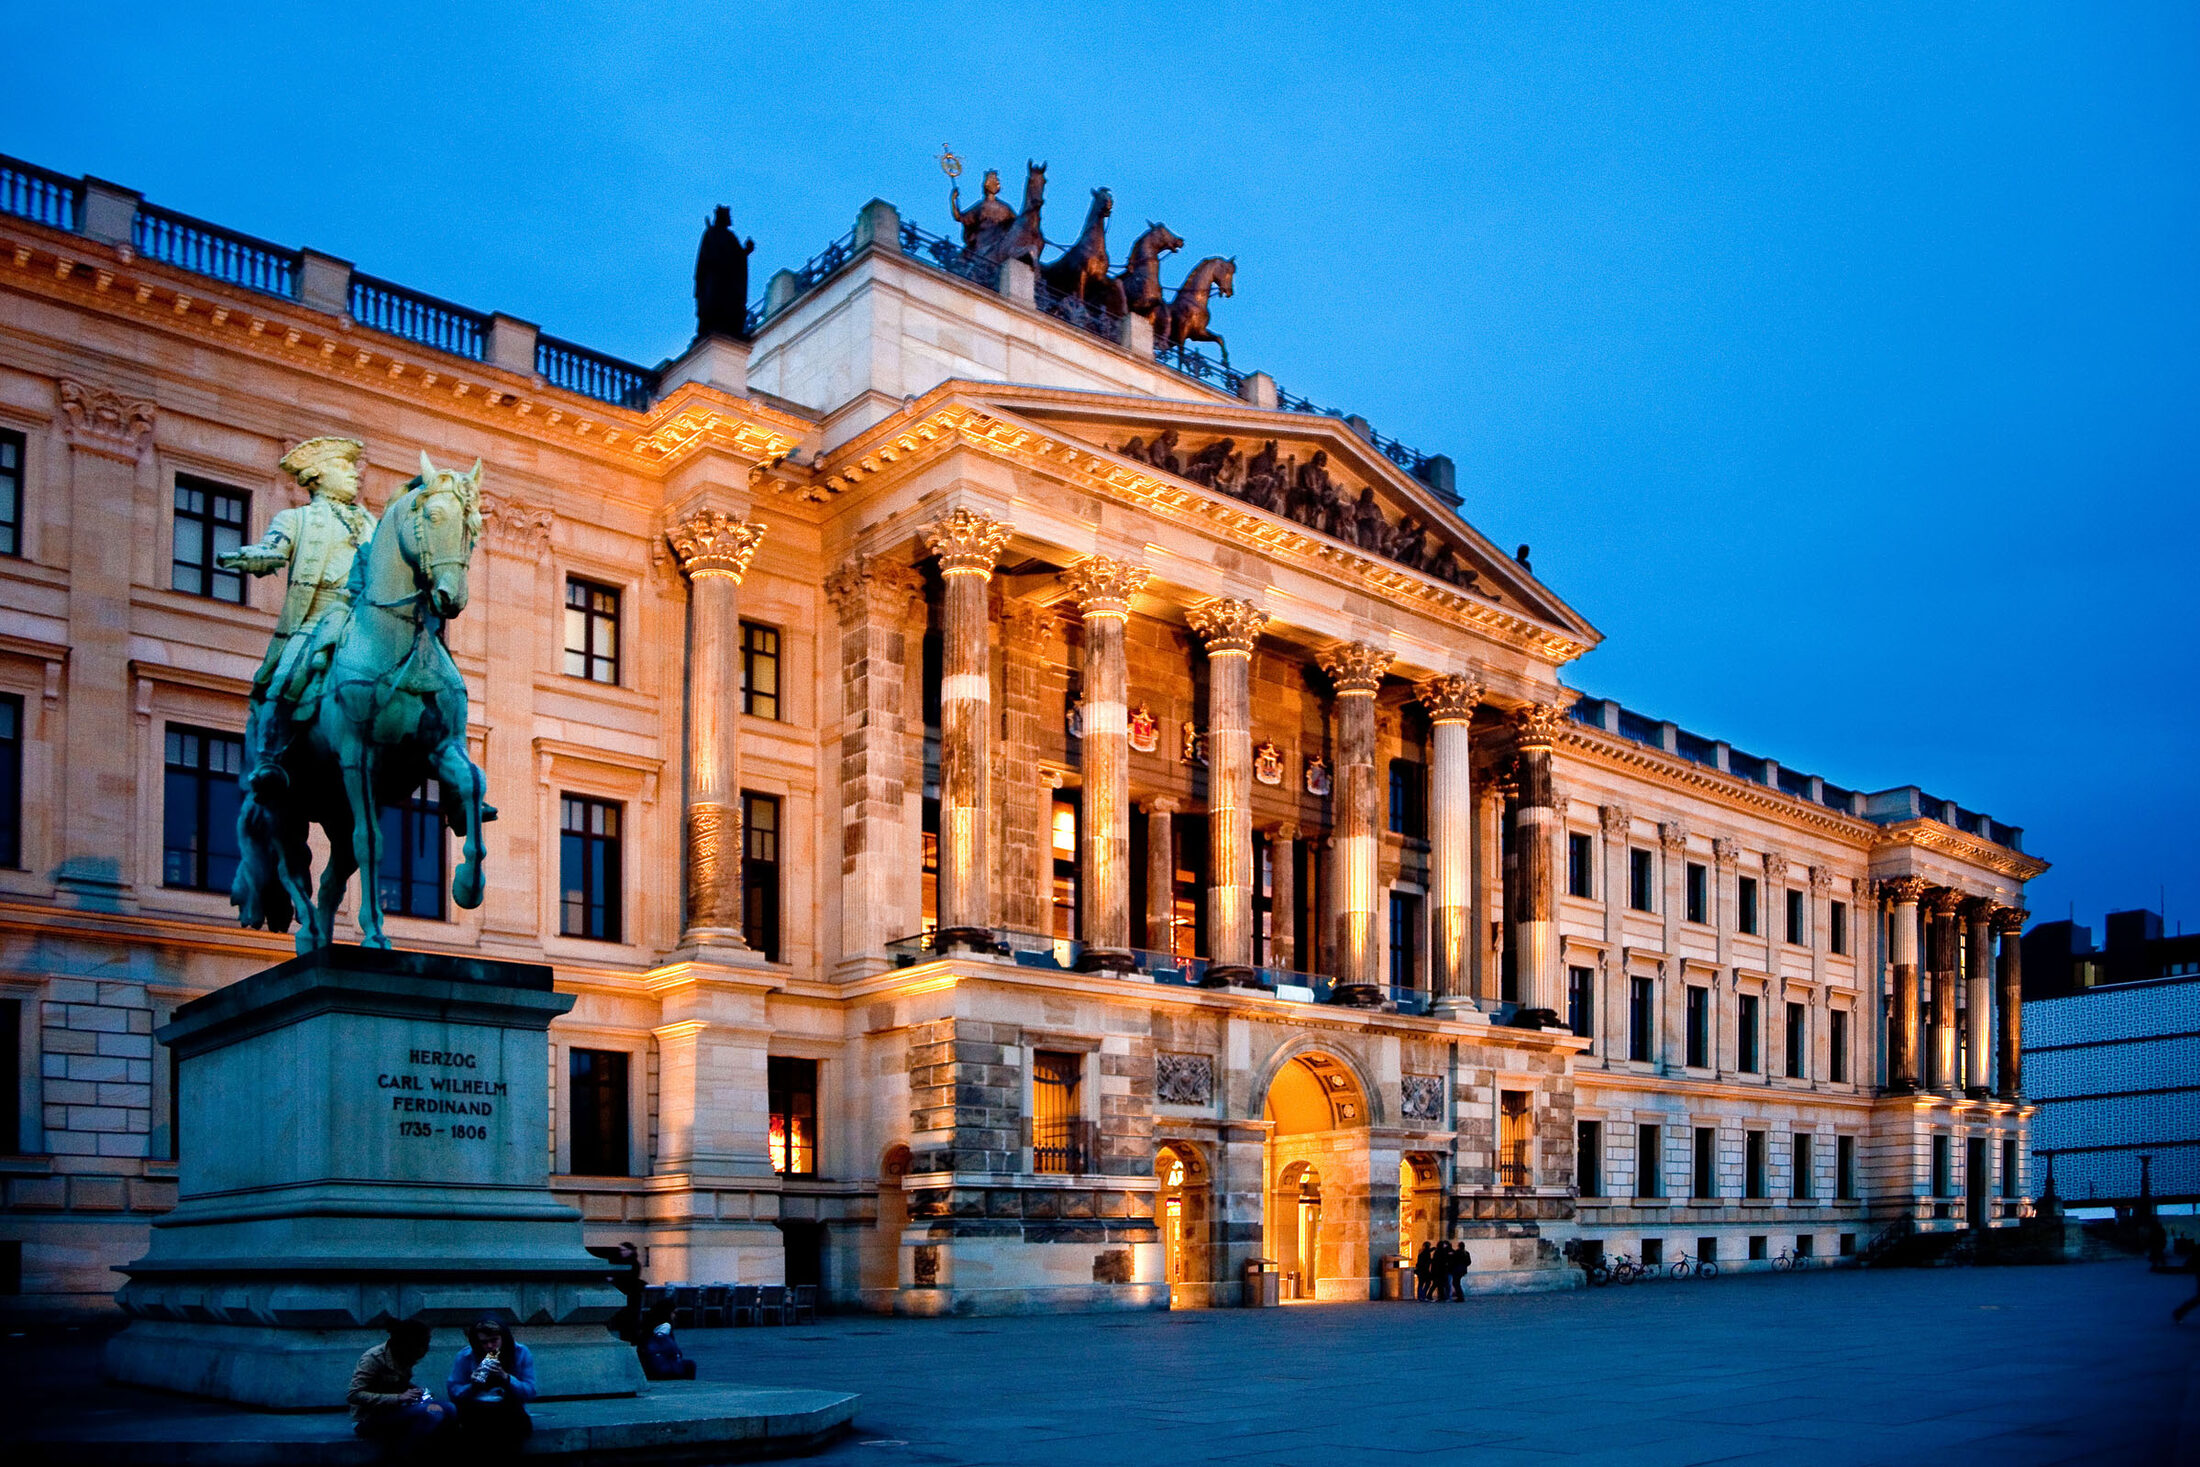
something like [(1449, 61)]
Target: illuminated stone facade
[(1250, 856)]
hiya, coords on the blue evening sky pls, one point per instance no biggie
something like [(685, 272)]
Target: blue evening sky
[(1839, 361)]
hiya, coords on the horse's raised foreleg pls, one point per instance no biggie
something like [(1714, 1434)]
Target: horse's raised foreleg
[(463, 785), (366, 844), (1201, 333)]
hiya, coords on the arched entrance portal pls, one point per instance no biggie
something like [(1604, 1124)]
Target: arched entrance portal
[(1181, 1216), (1420, 1202), (1315, 1222)]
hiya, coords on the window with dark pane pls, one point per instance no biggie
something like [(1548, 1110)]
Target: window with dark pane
[(1802, 1185), (1844, 1168), (1649, 1161), (199, 800), (1798, 1041), (597, 1112), (793, 1087), (1798, 919), (11, 492), (1056, 1135), (210, 520), (1745, 1032), (1753, 1164), (589, 868), (1405, 940), (591, 631), (1580, 864), (1642, 881), (1409, 798), (1642, 1019), (1704, 1182), (1589, 1157), (1581, 1001), (1698, 893), (1837, 1046), (760, 873), (11, 1076), (413, 848), (1699, 1026), (1837, 928), (1745, 905), (11, 781), (759, 670)]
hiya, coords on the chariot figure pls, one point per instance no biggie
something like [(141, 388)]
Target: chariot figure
[(316, 543), (988, 214)]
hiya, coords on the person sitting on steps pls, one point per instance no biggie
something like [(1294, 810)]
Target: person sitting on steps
[(386, 1406)]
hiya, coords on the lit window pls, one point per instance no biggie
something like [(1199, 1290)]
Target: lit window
[(1514, 1137), (759, 670), (793, 1087), (1064, 833), (1057, 1124)]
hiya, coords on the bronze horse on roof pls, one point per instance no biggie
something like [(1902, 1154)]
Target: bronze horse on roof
[(1141, 277), (1082, 269), (1185, 318)]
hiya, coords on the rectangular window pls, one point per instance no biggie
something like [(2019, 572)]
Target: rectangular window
[(11, 1076), (1837, 928), (413, 848), (793, 1093), (1589, 1157), (1943, 1168), (1798, 921), (759, 670), (591, 631), (1642, 881), (1648, 1182), (11, 781), (210, 520), (1745, 1033), (1803, 1159), (1642, 1019), (1745, 905), (11, 492), (1653, 1252), (1514, 1137), (1405, 940), (1757, 1247), (760, 874), (597, 1110), (1699, 893), (1805, 1245), (590, 874), (1798, 1041), (1837, 1046), (1707, 1250), (1580, 864), (1062, 839), (1056, 1133), (1753, 1163), (1704, 1182), (2009, 1167), (1581, 1001), (1699, 1027), (199, 808), (1848, 1245), (1844, 1168), (1409, 799)]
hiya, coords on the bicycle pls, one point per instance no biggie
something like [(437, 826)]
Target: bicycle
[(1791, 1262), (1687, 1267)]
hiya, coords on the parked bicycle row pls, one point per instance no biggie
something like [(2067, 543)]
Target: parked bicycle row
[(1624, 1268)]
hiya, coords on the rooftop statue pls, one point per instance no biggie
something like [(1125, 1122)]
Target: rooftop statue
[(995, 233), (1185, 318), (722, 279), (1082, 269), (1141, 277), (988, 215), (363, 703)]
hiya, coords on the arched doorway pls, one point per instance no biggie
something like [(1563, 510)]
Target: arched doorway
[(1315, 1223), (882, 1246), (1181, 1217), (1420, 1202)]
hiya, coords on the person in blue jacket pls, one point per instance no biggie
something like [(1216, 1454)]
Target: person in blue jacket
[(492, 1380)]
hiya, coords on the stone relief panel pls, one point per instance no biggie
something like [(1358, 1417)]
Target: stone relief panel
[(1184, 1079), (1421, 1097)]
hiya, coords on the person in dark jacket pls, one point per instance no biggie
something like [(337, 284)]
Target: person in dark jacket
[(385, 1404), (491, 1382), (660, 1351), (1456, 1275), (1424, 1273)]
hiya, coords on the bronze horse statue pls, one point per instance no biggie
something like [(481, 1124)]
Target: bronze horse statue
[(389, 715), (1082, 269), (1141, 277), (1185, 318), (1020, 239)]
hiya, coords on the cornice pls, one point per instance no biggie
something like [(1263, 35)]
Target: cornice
[(892, 452), (1576, 737), (1945, 840)]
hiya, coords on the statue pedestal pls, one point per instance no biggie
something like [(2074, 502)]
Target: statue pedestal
[(364, 1139)]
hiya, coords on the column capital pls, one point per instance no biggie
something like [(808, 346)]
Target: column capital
[(1980, 910), (872, 586), (101, 418), (1865, 887), (1905, 891), (1227, 624), (1613, 819), (1725, 850), (1161, 805), (1450, 697), (1104, 587), (1672, 836), (1821, 881), (2009, 921), (1942, 901), (1776, 868), (1538, 724), (711, 542), (1025, 620), (1356, 667), (966, 542), (1287, 830)]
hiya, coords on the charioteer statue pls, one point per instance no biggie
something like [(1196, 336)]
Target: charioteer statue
[(986, 215)]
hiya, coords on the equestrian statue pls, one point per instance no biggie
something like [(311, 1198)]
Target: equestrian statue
[(995, 233), (1185, 318), (1141, 277), (358, 702), (1081, 271)]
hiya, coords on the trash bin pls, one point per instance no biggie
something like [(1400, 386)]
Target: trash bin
[(1395, 1273), (1261, 1280)]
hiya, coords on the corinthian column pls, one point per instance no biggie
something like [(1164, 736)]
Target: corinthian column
[(1905, 892), (1103, 589), (2009, 922), (1161, 874), (1536, 916), (1357, 670), (1978, 1000), (714, 550), (1941, 960), (1229, 627), (1451, 700), (967, 544)]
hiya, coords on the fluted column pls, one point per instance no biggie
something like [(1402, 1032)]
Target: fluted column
[(1978, 999), (1229, 627), (1942, 958), (714, 549), (1103, 589), (1902, 1060), (1357, 670), (1161, 873), (1283, 897), (1451, 700), (2009, 922), (1536, 826), (967, 544)]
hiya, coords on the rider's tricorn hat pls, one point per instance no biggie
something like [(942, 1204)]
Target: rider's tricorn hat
[(308, 459)]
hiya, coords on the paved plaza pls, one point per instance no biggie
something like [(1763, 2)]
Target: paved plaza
[(2008, 1367)]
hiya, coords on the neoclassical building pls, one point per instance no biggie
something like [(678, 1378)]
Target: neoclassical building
[(1031, 819)]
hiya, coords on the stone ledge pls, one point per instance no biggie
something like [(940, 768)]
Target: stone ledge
[(675, 1422)]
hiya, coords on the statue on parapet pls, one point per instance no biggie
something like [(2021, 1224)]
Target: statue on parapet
[(722, 279), (992, 231), (988, 215)]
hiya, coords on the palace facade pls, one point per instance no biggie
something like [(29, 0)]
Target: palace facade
[(1031, 821)]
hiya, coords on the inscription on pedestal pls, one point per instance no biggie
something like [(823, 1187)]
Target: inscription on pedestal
[(423, 1098)]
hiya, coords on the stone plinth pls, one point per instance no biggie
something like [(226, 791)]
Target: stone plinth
[(364, 1138)]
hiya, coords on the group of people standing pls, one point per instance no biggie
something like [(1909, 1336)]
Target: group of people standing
[(1440, 1271)]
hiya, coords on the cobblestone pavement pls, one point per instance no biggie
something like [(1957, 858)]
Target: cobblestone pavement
[(2010, 1366)]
